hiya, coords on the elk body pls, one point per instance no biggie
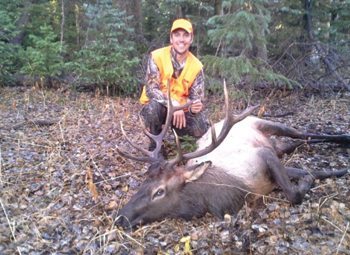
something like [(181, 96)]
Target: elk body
[(218, 176)]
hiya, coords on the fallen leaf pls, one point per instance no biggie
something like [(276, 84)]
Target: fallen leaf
[(187, 246), (112, 205), (91, 184)]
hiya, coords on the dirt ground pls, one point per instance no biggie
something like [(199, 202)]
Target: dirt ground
[(62, 181)]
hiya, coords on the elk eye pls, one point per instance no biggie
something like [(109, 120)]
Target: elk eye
[(159, 193)]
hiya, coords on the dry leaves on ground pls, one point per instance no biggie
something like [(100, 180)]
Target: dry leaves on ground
[(62, 182)]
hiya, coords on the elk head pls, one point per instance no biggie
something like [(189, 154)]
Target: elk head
[(161, 194)]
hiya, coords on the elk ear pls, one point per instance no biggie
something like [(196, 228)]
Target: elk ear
[(196, 172)]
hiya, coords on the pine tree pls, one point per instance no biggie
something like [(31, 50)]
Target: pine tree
[(239, 37), (43, 59), (107, 59), (9, 52)]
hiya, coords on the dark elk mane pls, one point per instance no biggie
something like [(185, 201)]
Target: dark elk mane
[(154, 170), (223, 196)]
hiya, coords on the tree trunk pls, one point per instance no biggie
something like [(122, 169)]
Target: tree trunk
[(260, 48), (308, 18), (179, 13), (22, 23), (77, 23), (62, 23), (318, 48), (218, 7), (137, 14), (133, 8)]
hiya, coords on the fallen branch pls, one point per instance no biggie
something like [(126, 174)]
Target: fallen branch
[(10, 225), (342, 238), (38, 122), (278, 115)]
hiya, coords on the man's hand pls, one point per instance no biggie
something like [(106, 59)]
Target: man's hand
[(179, 120), (196, 106)]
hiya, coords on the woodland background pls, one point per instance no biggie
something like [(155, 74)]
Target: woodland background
[(103, 43), (70, 71)]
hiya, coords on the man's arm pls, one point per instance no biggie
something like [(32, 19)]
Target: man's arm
[(197, 88), (153, 82), (197, 93)]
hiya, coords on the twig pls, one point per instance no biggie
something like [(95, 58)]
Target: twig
[(326, 198), (278, 115), (0, 166), (97, 168), (331, 223), (342, 238), (120, 233), (113, 178), (9, 223), (37, 122), (8, 220), (15, 140), (61, 132), (132, 239), (44, 97)]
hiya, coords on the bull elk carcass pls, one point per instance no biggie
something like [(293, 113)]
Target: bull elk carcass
[(218, 177)]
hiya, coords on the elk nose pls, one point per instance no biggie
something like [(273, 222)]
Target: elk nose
[(123, 221)]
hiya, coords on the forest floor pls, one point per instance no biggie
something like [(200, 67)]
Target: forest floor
[(62, 181)]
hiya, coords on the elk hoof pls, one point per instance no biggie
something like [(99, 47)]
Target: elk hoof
[(297, 198)]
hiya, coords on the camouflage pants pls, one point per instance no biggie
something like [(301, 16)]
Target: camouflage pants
[(154, 116)]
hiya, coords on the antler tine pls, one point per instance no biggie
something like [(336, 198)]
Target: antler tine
[(179, 154), (129, 156), (170, 111), (144, 151), (229, 121), (145, 131), (158, 139)]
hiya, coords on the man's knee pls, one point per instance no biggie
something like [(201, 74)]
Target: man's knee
[(197, 126), (198, 132), (153, 112)]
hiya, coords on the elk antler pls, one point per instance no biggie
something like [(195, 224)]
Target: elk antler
[(229, 121), (153, 156)]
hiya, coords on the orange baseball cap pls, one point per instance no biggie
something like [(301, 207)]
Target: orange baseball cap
[(182, 23)]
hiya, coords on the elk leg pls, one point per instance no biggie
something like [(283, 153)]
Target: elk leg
[(296, 173), (286, 148), (294, 193), (289, 147), (320, 175), (278, 129)]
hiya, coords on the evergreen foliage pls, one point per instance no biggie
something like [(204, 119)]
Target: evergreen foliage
[(43, 59), (280, 43), (239, 38), (9, 62), (238, 32), (339, 28), (240, 68), (108, 57), (317, 60), (9, 52)]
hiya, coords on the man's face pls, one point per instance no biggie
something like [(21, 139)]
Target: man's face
[(181, 40)]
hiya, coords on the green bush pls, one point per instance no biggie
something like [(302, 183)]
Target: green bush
[(9, 53), (10, 62), (108, 56), (43, 58)]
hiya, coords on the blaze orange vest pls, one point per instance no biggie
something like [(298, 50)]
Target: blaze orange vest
[(179, 88)]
